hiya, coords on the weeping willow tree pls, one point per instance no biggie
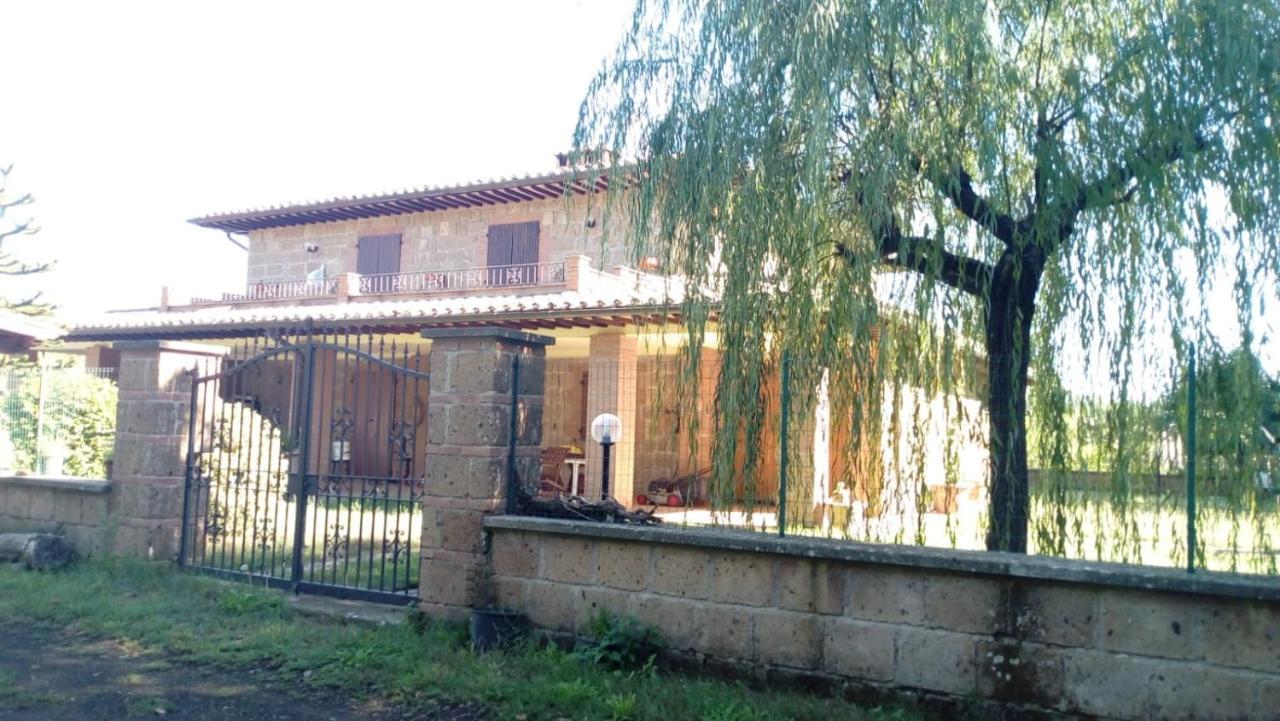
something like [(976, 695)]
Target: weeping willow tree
[(1012, 188)]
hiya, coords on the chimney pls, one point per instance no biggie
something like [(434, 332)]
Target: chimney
[(579, 159)]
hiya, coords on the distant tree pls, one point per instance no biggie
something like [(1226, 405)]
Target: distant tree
[(1039, 175), (1238, 419), (16, 225)]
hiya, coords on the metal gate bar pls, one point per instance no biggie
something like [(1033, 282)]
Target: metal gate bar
[(305, 464)]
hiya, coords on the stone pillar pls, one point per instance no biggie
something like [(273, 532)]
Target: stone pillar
[(469, 427), (152, 420), (611, 388)]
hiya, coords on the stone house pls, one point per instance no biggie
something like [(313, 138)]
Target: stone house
[(526, 253)]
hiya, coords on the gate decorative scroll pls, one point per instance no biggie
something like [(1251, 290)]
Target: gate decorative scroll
[(305, 464)]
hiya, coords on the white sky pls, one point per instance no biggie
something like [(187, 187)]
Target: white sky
[(124, 119)]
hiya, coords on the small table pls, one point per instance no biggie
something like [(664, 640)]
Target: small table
[(576, 466)]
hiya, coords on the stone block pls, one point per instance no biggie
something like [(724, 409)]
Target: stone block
[(673, 617), (17, 502), (1198, 692), (451, 583), (795, 584), (509, 592), (1152, 624), (741, 578), (1244, 634), (478, 424), (452, 529), (515, 554), (787, 639), (529, 423), (66, 507), (859, 650), (437, 421), (724, 631), (484, 371), (550, 605), (533, 370), (936, 660), (568, 560), (1054, 613), (1107, 684), (679, 572), (969, 604), (1268, 696), (886, 594), (1021, 673), (448, 475), (590, 602), (42, 506), (152, 417), (622, 565)]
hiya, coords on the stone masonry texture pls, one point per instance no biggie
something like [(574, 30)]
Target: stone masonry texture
[(471, 426), (1050, 638)]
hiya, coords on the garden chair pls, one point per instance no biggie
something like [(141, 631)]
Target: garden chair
[(552, 464)]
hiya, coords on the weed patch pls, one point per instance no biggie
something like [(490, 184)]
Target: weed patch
[(422, 667)]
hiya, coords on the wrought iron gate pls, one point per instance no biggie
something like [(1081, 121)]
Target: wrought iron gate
[(305, 464)]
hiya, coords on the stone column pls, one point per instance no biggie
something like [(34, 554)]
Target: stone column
[(152, 420), (469, 428), (611, 388)]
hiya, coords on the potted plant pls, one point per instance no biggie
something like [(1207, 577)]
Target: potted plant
[(492, 626), (108, 461)]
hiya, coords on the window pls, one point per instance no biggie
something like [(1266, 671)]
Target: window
[(377, 259), (378, 254), (513, 254)]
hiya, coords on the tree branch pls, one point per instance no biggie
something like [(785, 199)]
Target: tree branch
[(1113, 185), (927, 257), (957, 185)]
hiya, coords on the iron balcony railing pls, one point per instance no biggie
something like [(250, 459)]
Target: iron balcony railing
[(278, 290), (492, 277), (484, 278)]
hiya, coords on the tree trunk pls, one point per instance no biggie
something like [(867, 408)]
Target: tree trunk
[(1011, 305), (36, 551)]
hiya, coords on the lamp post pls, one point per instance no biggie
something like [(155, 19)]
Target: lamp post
[(606, 429)]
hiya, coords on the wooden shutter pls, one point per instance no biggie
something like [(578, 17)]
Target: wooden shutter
[(378, 254), (512, 244)]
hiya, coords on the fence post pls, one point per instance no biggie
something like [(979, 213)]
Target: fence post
[(783, 432), (38, 461), (512, 483), (1191, 460)]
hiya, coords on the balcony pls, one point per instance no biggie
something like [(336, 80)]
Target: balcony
[(501, 279)]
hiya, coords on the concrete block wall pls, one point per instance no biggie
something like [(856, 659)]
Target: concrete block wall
[(73, 507), (1035, 634)]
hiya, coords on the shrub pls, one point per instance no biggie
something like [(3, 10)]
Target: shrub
[(620, 643)]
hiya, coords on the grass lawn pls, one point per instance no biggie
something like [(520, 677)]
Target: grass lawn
[(417, 667)]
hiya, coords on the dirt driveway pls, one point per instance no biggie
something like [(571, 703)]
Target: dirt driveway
[(47, 674)]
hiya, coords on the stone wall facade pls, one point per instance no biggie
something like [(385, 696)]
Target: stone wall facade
[(152, 419), (73, 507), (470, 451), (1031, 634), (439, 240)]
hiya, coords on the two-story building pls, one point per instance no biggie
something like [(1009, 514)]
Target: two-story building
[(527, 253)]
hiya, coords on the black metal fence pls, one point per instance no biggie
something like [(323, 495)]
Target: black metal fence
[(305, 464)]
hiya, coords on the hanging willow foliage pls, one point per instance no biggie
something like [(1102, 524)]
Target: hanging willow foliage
[(928, 202)]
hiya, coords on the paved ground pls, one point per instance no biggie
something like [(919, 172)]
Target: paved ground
[(51, 675)]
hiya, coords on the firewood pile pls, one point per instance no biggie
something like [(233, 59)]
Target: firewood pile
[(577, 508)]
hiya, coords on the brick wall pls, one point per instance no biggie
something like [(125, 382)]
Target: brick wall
[(441, 240), (75, 508), (1029, 633)]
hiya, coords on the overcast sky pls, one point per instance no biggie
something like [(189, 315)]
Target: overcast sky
[(125, 119)]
